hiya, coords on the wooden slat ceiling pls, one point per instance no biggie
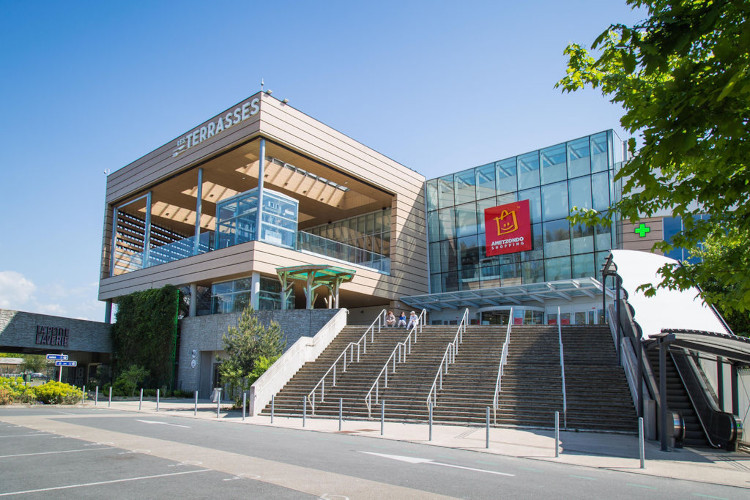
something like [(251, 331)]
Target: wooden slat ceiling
[(174, 200)]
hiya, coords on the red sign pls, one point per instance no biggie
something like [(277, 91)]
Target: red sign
[(507, 228)]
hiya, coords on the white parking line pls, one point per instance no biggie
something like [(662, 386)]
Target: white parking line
[(52, 452), (161, 423), (26, 435), (98, 483)]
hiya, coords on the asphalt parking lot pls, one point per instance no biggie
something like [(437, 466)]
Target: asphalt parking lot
[(37, 464)]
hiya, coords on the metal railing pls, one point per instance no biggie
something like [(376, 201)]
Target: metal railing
[(562, 371), (398, 355), (449, 357), (379, 323), (501, 368)]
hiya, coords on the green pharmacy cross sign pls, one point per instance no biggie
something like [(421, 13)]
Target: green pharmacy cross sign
[(642, 230)]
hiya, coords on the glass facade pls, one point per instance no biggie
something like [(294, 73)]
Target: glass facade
[(675, 225), (577, 173)]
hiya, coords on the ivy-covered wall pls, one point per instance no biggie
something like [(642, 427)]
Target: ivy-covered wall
[(145, 334)]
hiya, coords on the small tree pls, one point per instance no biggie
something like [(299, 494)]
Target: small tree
[(35, 363), (245, 344), (129, 380)]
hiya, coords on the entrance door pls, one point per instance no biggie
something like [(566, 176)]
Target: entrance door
[(495, 317)]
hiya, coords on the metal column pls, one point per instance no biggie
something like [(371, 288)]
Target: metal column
[(147, 237), (663, 395), (198, 213), (261, 170)]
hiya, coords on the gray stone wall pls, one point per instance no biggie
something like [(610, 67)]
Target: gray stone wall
[(205, 334), (19, 329)]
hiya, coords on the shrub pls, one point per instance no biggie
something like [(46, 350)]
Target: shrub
[(57, 393), (129, 380), (6, 397)]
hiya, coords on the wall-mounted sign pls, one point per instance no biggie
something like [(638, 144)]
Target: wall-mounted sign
[(242, 112), (642, 230), (508, 228), (52, 335)]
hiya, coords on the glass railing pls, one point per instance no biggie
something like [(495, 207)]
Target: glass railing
[(341, 251), (188, 247)]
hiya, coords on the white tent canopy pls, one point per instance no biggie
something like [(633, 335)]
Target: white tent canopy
[(668, 309)]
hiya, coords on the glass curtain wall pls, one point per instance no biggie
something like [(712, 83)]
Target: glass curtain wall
[(555, 180)]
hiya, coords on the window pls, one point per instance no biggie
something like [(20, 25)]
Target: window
[(579, 158), (556, 238), (528, 170), (507, 179), (485, 181), (445, 192), (599, 153), (555, 201), (553, 164)]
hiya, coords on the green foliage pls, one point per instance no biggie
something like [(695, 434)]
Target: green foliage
[(13, 390), (129, 380), (261, 365), (35, 363), (246, 344), (683, 79), (54, 392), (145, 333)]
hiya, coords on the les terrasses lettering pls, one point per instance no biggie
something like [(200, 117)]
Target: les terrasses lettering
[(212, 128)]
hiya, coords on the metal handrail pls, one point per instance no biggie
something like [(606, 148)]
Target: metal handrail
[(449, 357), (501, 368), (562, 370), (402, 348), (380, 321)]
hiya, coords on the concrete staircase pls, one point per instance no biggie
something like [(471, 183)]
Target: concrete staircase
[(408, 387), (598, 395), (351, 385), (531, 385), (469, 385)]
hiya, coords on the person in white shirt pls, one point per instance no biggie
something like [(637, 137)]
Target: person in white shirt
[(413, 320)]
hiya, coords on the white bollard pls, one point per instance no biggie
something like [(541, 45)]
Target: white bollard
[(487, 438), (557, 434), (157, 399), (140, 400), (244, 405), (109, 402), (195, 407), (641, 443), (96, 395)]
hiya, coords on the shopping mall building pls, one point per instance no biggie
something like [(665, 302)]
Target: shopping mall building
[(335, 224)]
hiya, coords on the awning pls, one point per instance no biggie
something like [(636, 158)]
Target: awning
[(313, 277), (531, 293)]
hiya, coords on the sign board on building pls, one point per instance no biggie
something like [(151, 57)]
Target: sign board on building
[(52, 335), (508, 228), (57, 357), (66, 363)]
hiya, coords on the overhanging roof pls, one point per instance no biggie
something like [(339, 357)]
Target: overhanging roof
[(321, 274), (725, 345), (533, 293)]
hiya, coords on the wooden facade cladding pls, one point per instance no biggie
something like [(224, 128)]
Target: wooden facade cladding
[(286, 126)]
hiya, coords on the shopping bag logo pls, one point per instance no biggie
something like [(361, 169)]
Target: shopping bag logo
[(506, 222)]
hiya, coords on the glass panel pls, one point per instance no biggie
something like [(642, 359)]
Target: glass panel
[(600, 191), (435, 284), (447, 223), (485, 181), (450, 282), (435, 257), (433, 226), (583, 265), (506, 176), (603, 237), (553, 164), (583, 238), (431, 193), (535, 203), (448, 259), (490, 271), (579, 193), (511, 273), (579, 158), (672, 226), (556, 238), (466, 219), (468, 254), (533, 271), (557, 269), (464, 186), (601, 258), (483, 205), (538, 244), (445, 192), (528, 170), (555, 201), (599, 154)]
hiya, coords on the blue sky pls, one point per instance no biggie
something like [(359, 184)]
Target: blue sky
[(91, 86)]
